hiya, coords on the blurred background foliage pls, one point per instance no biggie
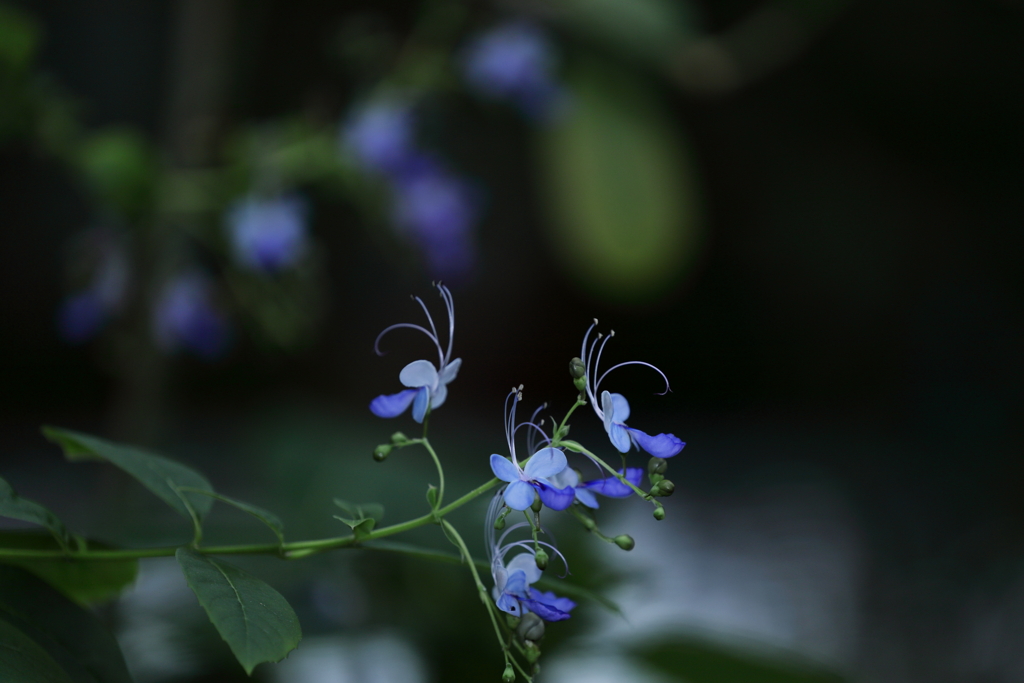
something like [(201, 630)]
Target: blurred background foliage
[(808, 214)]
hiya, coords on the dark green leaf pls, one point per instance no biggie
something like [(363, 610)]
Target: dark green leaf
[(257, 623), (16, 507), (360, 517), (160, 475), (121, 166), (698, 660), (72, 637), (22, 660), (19, 38), (265, 516), (625, 216), (85, 582)]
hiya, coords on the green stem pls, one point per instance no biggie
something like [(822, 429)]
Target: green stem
[(579, 402), (437, 463), (294, 550), (574, 446)]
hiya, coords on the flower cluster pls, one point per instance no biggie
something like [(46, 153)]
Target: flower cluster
[(267, 235), (517, 553), (431, 207)]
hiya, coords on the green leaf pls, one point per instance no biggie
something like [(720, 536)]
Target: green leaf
[(620, 187), (361, 517), (699, 660), (164, 477), (121, 166), (73, 638), (265, 516), (19, 38), (22, 660), (257, 623), (16, 507), (85, 582)]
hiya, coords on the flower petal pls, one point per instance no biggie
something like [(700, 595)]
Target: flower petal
[(438, 396), (660, 446), (566, 477), (527, 564), (620, 407), (545, 463), (519, 495), (419, 373), (503, 468), (620, 437), (544, 611), (419, 405), (507, 603), (450, 371), (517, 583), (556, 499), (392, 405), (587, 498), (608, 408), (612, 487), (549, 598)]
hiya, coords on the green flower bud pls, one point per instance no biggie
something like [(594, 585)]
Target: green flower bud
[(665, 488), (537, 503), (398, 439), (659, 513), (580, 384), (657, 466), (381, 452), (625, 541), (511, 621), (577, 369), (542, 560), (432, 495), (499, 523), (654, 478), (509, 675), (532, 652), (531, 627)]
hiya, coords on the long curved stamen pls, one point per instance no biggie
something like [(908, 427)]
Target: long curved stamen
[(449, 304), (529, 547), (583, 350), (638, 362), (530, 443), (510, 529), (497, 503), (433, 328), (420, 328), (591, 374), (597, 363)]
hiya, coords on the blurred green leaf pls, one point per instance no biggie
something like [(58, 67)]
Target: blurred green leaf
[(649, 29), (257, 623), (697, 660), (19, 38), (14, 506), (265, 516), (362, 517), (160, 475), (74, 641), (620, 188), (22, 660), (121, 167), (85, 582)]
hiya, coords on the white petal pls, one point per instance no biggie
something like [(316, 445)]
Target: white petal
[(621, 408), (419, 373), (438, 396), (545, 463), (450, 371), (526, 563)]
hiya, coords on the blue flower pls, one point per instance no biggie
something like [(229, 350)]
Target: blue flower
[(514, 62), (613, 409), (185, 317), (83, 314), (80, 317), (607, 486), (379, 134), (512, 592), (428, 384), (526, 483), (267, 235)]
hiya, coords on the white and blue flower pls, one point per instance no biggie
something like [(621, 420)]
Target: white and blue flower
[(611, 487), (526, 483), (428, 384), (512, 591), (613, 409)]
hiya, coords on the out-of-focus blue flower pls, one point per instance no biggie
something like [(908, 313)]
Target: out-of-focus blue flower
[(607, 486), (83, 314), (613, 409), (268, 235), (525, 483), (80, 317), (185, 317), (379, 134), (437, 210), (429, 384), (512, 592), (514, 61)]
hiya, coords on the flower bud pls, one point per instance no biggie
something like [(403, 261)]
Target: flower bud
[(381, 452), (537, 503), (580, 384), (657, 466), (511, 621), (531, 627), (399, 439), (499, 523), (509, 675), (659, 513), (541, 558), (432, 495), (577, 369), (625, 541), (665, 488), (531, 651)]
